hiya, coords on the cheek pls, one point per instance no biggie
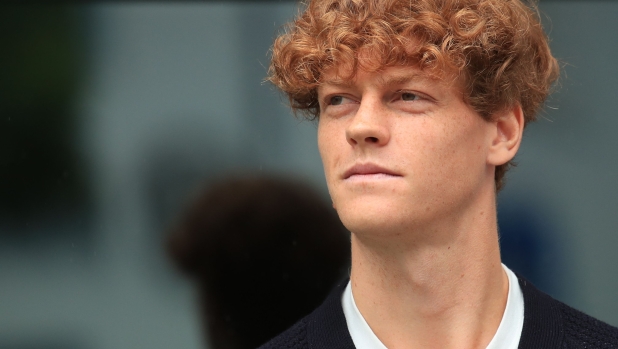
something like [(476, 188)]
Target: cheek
[(440, 152), (322, 142), (422, 145), (462, 149), (327, 146)]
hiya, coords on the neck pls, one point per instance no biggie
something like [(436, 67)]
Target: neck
[(435, 287)]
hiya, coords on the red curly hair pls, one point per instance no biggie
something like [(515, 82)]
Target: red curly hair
[(497, 49)]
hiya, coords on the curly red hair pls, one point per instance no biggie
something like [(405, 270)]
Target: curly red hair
[(497, 48)]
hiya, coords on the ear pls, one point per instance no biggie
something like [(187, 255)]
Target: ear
[(506, 138)]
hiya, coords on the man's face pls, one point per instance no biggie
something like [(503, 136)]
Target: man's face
[(400, 150)]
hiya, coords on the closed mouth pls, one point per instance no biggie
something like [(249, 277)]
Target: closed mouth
[(369, 170)]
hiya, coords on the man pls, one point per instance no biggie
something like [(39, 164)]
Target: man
[(421, 106)]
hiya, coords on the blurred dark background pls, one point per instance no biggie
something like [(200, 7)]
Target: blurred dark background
[(112, 114)]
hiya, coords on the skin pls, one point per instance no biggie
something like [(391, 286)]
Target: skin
[(410, 169)]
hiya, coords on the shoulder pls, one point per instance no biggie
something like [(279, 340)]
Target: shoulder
[(293, 338), (324, 328), (549, 323), (581, 330)]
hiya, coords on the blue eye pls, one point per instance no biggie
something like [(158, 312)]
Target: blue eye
[(336, 100), (407, 96)]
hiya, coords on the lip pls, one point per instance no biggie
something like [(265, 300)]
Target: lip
[(367, 170)]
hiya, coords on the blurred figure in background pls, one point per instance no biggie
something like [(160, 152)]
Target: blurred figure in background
[(263, 252)]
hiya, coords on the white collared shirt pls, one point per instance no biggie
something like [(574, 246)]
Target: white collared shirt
[(507, 336)]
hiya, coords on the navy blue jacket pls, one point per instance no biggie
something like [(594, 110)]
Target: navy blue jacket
[(548, 324)]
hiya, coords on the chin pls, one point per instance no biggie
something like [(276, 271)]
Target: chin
[(372, 220)]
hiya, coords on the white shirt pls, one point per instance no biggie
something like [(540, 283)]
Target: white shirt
[(507, 336)]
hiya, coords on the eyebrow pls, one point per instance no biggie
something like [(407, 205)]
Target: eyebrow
[(337, 83), (398, 79)]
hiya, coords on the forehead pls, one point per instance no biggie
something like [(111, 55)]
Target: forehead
[(381, 78)]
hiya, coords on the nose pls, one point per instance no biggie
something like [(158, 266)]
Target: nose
[(369, 126)]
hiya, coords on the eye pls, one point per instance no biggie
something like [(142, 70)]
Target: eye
[(336, 105), (409, 96), (336, 100), (412, 102)]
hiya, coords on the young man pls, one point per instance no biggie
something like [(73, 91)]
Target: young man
[(421, 106)]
